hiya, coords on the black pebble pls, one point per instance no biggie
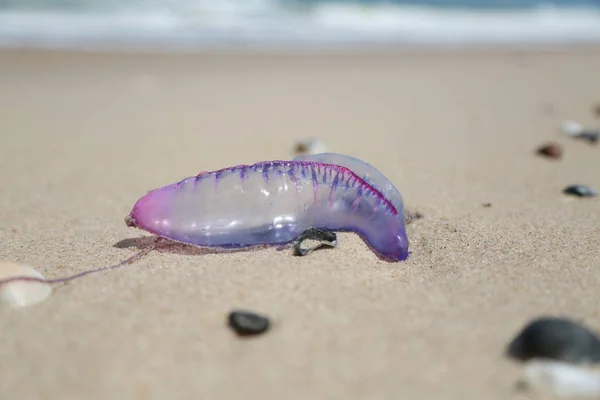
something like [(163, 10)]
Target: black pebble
[(580, 190), (555, 338), (591, 137), (324, 239), (248, 323)]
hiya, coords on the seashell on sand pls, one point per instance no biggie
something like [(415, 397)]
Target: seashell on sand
[(19, 294), (562, 379)]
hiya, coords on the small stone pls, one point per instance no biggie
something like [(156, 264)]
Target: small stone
[(246, 323), (17, 294), (550, 150), (590, 136), (555, 338), (580, 190), (320, 237), (486, 205), (311, 146), (576, 130)]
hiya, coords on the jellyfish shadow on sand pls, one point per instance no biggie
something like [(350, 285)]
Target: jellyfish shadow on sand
[(163, 245)]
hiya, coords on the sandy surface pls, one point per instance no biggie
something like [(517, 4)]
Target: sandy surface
[(84, 136)]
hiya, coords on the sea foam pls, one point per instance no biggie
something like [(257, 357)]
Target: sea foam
[(192, 23)]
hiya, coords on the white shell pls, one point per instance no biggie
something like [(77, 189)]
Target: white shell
[(572, 128), (311, 146), (562, 379), (21, 293)]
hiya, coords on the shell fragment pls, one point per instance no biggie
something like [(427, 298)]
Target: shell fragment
[(19, 294)]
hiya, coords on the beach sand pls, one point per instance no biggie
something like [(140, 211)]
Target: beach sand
[(85, 135)]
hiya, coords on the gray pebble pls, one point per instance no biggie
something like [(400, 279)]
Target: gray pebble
[(555, 338), (580, 190), (320, 237), (590, 136), (246, 323)]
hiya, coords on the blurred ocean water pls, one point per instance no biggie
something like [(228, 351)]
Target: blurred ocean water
[(192, 23)]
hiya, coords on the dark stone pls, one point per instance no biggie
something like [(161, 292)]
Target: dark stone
[(323, 239), (580, 190), (550, 150), (555, 338), (590, 136), (246, 323)]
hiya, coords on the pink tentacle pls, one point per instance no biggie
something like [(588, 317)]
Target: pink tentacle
[(129, 260)]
